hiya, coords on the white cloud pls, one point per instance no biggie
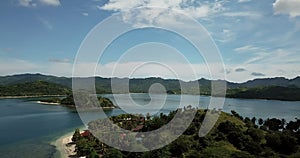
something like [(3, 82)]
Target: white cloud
[(98, 7), (34, 3), (249, 48), (16, 66), (253, 15), (243, 1), (225, 36), (50, 2), (278, 56), (120, 5), (157, 9), (85, 14), (46, 23), (27, 3), (59, 60), (290, 7)]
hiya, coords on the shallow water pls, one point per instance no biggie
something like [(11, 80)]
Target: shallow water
[(26, 127)]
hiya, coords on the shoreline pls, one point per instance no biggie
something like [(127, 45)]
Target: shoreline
[(29, 96), (73, 106), (62, 149), (226, 97), (47, 103)]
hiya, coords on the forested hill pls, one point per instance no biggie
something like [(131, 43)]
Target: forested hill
[(232, 136), (104, 83), (35, 88), (25, 78), (268, 92), (269, 88)]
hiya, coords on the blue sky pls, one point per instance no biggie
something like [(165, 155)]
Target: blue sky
[(256, 38)]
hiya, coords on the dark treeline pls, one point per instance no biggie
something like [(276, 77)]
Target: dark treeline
[(35, 88), (69, 101), (232, 136), (270, 92)]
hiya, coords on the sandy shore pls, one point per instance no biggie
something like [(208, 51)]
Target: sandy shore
[(30, 96), (63, 147), (47, 103)]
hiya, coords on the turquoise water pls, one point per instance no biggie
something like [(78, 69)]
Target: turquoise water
[(246, 107), (26, 127)]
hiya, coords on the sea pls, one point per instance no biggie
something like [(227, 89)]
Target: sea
[(27, 127)]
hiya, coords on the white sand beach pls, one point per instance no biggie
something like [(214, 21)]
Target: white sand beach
[(64, 148), (47, 103)]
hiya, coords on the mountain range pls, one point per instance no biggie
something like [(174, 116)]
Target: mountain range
[(105, 82), (278, 88)]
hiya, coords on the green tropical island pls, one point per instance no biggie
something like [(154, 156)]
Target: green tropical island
[(232, 136), (69, 101)]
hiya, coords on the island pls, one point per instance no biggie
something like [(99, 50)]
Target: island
[(232, 136), (68, 101)]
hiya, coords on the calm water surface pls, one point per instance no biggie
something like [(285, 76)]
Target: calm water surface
[(26, 127)]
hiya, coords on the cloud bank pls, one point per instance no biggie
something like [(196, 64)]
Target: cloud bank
[(290, 7)]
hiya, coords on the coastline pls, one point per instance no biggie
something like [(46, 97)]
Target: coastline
[(29, 96), (63, 150), (73, 106), (47, 103)]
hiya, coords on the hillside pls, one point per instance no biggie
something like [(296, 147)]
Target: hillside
[(269, 88), (232, 136), (136, 83), (270, 92), (277, 81), (34, 88), (25, 78)]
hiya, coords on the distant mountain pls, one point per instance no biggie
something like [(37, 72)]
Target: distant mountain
[(277, 81), (267, 92), (103, 85), (23, 78), (137, 83), (295, 81)]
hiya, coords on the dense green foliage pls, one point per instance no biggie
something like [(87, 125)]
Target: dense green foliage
[(272, 92), (69, 101), (37, 84), (50, 100), (232, 136), (104, 102), (35, 88)]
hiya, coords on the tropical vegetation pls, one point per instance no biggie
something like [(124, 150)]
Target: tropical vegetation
[(36, 88), (232, 136)]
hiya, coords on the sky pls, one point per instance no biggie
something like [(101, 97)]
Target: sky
[(255, 38)]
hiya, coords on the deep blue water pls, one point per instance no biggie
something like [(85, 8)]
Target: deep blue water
[(26, 127)]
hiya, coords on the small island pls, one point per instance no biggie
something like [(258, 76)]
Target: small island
[(68, 101), (232, 136)]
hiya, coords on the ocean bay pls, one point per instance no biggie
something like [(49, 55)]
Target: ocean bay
[(27, 127)]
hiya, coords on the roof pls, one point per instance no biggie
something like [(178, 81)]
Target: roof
[(85, 133)]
